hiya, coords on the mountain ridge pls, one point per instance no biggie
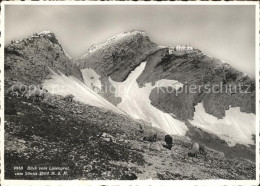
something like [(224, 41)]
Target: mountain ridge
[(109, 134), (191, 68), (31, 57), (116, 58)]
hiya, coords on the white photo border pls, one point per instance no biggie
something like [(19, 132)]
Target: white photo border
[(121, 182)]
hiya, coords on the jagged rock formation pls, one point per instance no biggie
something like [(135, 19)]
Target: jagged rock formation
[(29, 59)]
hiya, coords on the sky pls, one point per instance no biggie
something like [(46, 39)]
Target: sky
[(224, 32)]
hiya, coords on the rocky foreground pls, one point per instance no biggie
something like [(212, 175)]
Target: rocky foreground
[(98, 144)]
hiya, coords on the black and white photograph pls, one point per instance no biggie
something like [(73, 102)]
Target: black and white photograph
[(130, 91)]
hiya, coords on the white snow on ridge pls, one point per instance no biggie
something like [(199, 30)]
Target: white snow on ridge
[(235, 127), (44, 32), (63, 85), (136, 102), (116, 38)]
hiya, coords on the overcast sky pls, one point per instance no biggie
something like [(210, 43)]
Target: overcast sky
[(224, 32)]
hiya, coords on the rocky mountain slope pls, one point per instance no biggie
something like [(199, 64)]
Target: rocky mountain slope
[(28, 60), (161, 87), (98, 144), (118, 56), (117, 104)]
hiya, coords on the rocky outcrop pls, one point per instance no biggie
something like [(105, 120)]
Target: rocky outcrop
[(118, 56), (29, 59)]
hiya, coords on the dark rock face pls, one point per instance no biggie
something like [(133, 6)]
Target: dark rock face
[(28, 60), (117, 57), (205, 79)]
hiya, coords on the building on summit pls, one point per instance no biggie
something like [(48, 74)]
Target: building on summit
[(180, 48)]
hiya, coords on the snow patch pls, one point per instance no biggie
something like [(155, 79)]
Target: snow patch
[(91, 79), (235, 127), (63, 85), (168, 83), (44, 32), (136, 102)]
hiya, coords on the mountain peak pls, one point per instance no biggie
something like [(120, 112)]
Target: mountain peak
[(29, 58), (119, 55), (120, 38)]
